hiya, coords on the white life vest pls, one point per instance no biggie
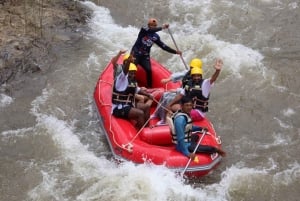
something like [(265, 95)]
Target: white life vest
[(187, 130)]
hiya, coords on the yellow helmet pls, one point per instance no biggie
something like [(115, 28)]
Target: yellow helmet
[(132, 67), (196, 71), (196, 63), (126, 56)]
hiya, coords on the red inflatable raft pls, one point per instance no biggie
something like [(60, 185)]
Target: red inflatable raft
[(151, 144)]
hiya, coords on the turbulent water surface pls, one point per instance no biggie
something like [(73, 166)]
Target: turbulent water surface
[(51, 145)]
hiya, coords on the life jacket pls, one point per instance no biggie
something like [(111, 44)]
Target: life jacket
[(125, 97), (194, 91), (186, 78), (187, 130)]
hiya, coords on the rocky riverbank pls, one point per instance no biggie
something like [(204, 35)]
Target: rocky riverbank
[(30, 30)]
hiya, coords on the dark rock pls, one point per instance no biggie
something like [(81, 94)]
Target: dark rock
[(28, 36)]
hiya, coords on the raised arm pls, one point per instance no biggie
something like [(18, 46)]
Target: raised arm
[(218, 66), (175, 77), (115, 59), (127, 62)]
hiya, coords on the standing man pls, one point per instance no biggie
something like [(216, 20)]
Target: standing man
[(142, 46)]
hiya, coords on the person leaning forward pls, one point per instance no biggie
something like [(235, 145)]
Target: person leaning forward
[(124, 90), (142, 46), (185, 141), (184, 76)]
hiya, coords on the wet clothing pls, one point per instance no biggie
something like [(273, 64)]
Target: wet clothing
[(201, 148), (164, 100), (142, 46), (122, 112), (194, 90), (183, 142), (168, 96), (125, 97), (187, 129), (144, 62), (123, 87), (178, 76), (186, 78), (205, 90), (187, 144)]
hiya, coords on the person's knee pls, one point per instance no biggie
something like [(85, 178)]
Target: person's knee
[(139, 113), (175, 107), (147, 107), (144, 107)]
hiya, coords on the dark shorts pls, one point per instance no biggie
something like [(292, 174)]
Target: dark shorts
[(123, 112), (201, 148)]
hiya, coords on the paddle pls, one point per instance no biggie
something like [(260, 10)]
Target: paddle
[(177, 48), (198, 144)]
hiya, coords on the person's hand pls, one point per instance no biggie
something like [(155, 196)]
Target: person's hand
[(169, 113), (204, 129), (179, 52), (165, 81), (131, 58), (150, 96), (122, 51), (168, 109), (221, 152), (218, 64), (192, 156), (165, 26)]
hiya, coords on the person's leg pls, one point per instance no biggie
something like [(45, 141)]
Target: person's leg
[(154, 93), (203, 148), (139, 98), (121, 112), (145, 63), (146, 110), (176, 107), (149, 102), (159, 109), (138, 115), (130, 113), (165, 100)]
